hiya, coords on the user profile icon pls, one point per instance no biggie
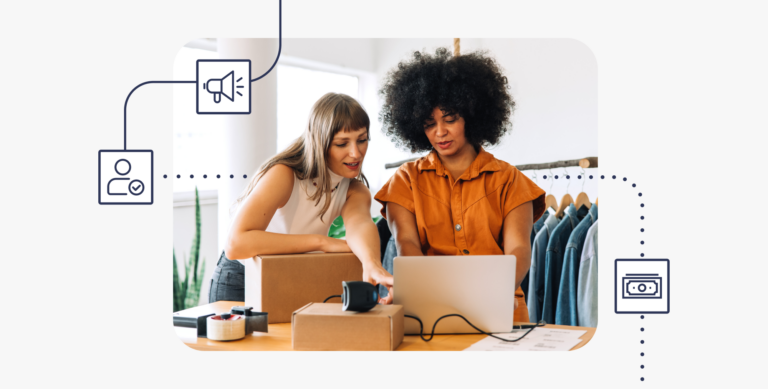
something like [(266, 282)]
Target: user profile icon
[(125, 177), (122, 168)]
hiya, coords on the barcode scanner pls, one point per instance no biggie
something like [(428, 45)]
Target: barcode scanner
[(358, 296)]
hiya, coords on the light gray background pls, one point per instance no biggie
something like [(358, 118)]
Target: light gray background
[(681, 113)]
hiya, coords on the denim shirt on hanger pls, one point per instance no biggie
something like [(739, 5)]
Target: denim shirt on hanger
[(524, 285), (537, 226), (586, 293), (535, 297), (553, 265), (566, 297)]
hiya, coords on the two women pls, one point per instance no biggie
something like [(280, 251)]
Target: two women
[(457, 200)]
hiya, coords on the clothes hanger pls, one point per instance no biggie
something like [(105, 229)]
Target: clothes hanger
[(550, 201), (582, 199), (565, 201), (535, 178)]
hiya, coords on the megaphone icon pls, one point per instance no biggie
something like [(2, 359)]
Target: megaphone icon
[(222, 86)]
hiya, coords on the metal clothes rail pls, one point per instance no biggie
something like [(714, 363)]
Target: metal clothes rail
[(588, 162)]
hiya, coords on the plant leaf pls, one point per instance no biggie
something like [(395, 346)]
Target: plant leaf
[(185, 283), (176, 286), (194, 253)]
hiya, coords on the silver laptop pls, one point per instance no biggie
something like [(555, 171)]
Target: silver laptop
[(478, 287)]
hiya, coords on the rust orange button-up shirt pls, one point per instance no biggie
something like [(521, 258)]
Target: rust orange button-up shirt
[(463, 217)]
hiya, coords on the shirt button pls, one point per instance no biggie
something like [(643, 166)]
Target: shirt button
[(466, 251), (458, 227)]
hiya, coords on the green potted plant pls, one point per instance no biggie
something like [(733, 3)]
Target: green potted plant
[(186, 291)]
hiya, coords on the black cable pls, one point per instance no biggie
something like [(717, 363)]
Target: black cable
[(432, 335), (421, 328), (330, 297), (125, 108), (280, 42)]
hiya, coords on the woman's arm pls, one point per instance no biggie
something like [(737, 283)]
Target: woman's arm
[(402, 223), (517, 238), (362, 235), (247, 236)]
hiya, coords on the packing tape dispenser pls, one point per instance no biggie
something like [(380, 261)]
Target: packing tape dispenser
[(234, 325)]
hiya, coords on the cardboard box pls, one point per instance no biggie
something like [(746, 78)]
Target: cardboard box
[(325, 327), (281, 284)]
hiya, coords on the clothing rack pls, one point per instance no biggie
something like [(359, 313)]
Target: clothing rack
[(584, 163)]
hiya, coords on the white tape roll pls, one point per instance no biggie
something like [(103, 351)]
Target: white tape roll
[(232, 328)]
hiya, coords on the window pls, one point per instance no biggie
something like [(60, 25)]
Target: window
[(297, 90)]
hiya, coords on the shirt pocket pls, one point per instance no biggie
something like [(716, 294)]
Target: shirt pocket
[(483, 219), (438, 227), (433, 206)]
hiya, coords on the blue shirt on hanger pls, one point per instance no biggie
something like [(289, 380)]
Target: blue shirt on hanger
[(565, 313), (535, 296), (538, 225), (553, 265), (536, 228), (586, 293)]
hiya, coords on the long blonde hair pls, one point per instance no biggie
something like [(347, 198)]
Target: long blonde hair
[(308, 154)]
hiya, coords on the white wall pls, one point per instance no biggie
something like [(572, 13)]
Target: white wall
[(554, 83), (356, 54)]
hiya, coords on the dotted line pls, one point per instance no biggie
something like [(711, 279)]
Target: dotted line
[(642, 354), (602, 177), (642, 243), (205, 176)]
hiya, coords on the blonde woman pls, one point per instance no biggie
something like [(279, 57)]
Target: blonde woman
[(291, 202)]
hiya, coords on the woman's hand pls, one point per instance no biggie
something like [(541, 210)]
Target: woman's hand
[(376, 275), (333, 245)]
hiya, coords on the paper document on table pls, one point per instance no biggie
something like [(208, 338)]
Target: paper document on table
[(539, 339)]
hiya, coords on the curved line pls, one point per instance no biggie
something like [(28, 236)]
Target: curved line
[(125, 108), (280, 44)]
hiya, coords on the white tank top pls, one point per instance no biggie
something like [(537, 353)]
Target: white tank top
[(300, 215)]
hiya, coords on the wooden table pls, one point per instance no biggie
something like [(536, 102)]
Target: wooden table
[(279, 336)]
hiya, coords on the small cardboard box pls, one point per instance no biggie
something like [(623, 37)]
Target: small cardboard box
[(281, 284), (325, 327)]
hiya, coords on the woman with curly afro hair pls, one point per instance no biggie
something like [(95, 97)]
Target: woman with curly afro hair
[(458, 199)]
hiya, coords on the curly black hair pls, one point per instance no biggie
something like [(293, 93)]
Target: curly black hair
[(472, 85)]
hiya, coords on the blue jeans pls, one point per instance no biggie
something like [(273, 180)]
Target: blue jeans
[(228, 281), (387, 262)]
